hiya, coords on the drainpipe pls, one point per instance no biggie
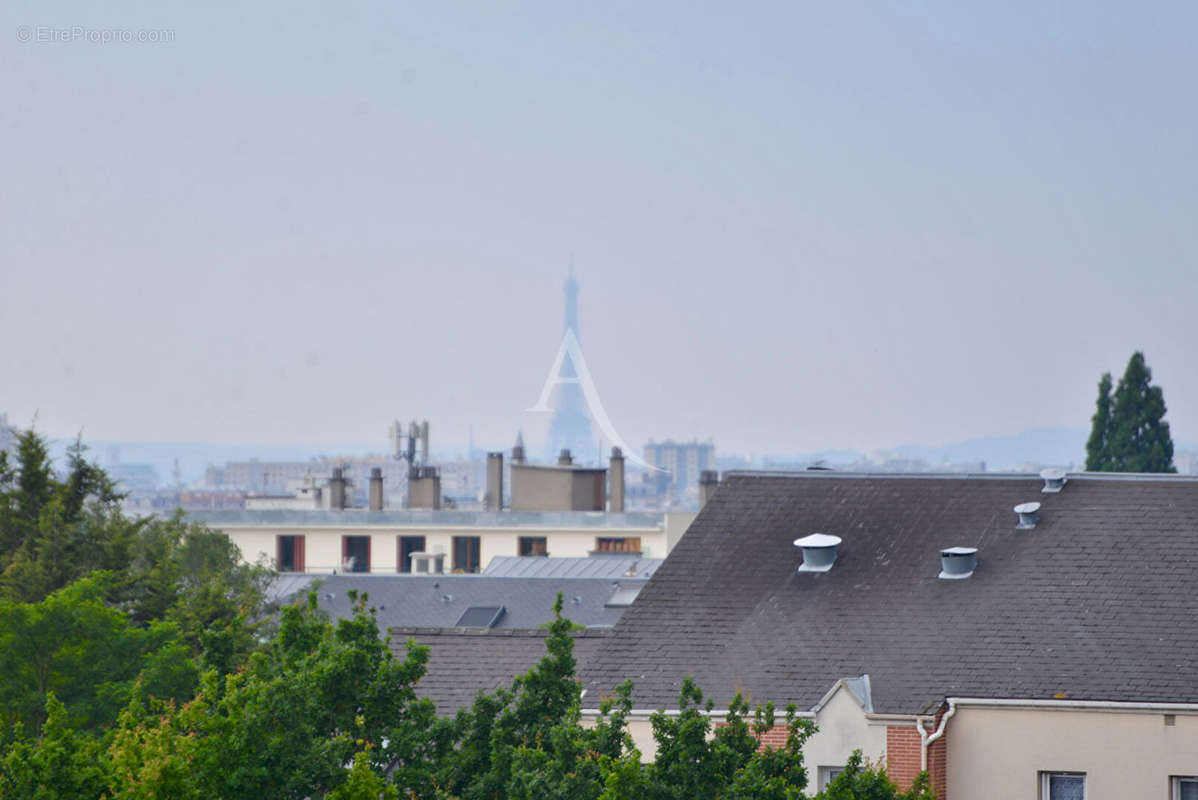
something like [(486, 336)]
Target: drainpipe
[(926, 739)]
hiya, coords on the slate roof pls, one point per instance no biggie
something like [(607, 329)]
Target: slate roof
[(612, 567), (462, 662), (437, 601), (1099, 601)]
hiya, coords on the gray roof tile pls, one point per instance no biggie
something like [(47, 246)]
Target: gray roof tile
[(1099, 601)]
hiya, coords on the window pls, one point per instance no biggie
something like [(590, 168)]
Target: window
[(618, 544), (1062, 786), (533, 546), (466, 553), (289, 553), (355, 553), (408, 545), (827, 775), (1185, 788)]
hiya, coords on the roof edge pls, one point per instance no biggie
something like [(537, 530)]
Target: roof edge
[(1001, 476)]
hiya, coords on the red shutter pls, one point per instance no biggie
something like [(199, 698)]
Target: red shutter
[(300, 562)]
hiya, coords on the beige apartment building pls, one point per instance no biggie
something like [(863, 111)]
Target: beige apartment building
[(359, 540)]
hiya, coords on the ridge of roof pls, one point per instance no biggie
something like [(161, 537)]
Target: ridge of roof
[(1002, 476)]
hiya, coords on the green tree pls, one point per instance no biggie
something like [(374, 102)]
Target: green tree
[(317, 697), (75, 646), (62, 762), (1128, 431), (861, 781)]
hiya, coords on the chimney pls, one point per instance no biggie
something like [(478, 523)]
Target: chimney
[(494, 496), (1054, 480), (1029, 515), (615, 476), (424, 442), (709, 481), (819, 552), (337, 490), (563, 458), (424, 488), (376, 489), (957, 563)]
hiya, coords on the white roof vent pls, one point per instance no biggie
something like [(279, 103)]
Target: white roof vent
[(1029, 515), (957, 563), (819, 552), (1054, 480)]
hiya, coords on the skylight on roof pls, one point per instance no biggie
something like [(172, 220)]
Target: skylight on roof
[(481, 617), (623, 597)]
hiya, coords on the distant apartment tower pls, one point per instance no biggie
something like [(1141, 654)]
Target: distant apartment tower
[(683, 461)]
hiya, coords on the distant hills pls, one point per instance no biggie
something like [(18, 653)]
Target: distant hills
[(1065, 447)]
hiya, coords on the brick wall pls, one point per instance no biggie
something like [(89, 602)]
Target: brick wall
[(775, 737), (903, 756)]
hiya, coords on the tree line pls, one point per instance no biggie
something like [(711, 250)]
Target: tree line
[(140, 658)]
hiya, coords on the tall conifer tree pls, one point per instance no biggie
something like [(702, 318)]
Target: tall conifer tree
[(1129, 432)]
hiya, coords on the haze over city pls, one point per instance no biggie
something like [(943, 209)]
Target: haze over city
[(794, 228)]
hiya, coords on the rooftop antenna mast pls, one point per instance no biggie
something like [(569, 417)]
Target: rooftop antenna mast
[(404, 442)]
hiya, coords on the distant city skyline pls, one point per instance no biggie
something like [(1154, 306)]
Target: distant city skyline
[(799, 227)]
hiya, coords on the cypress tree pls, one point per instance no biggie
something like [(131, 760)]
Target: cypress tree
[(1098, 445), (1129, 431)]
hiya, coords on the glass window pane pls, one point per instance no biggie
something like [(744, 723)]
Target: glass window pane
[(1189, 790), (1066, 787)]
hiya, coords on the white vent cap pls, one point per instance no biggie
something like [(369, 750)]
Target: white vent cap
[(819, 552), (957, 563), (818, 540), (1054, 480), (1029, 515)]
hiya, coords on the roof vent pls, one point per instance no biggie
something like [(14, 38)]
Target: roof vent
[(957, 563), (1029, 515), (1054, 480), (819, 552)]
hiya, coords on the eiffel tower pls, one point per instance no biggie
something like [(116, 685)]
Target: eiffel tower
[(570, 426)]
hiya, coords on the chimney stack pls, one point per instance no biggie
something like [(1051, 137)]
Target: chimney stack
[(376, 489), (709, 481), (494, 497), (615, 476), (564, 459), (424, 488), (337, 490)]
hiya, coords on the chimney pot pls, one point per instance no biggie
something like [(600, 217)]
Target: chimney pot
[(564, 458)]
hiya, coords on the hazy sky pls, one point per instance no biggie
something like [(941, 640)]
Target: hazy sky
[(795, 226)]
